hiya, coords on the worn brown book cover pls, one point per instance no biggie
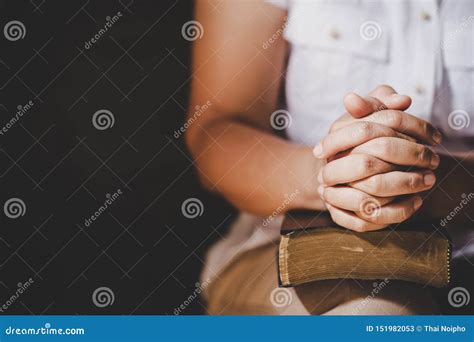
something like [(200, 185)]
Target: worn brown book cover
[(312, 248)]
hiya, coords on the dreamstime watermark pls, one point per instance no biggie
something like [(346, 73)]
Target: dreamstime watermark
[(459, 296), (109, 200), (199, 110), (192, 30), (110, 21), (14, 208), (22, 110), (103, 119), (370, 208), (280, 119), (192, 208), (278, 33), (281, 297), (47, 329), (281, 208), (370, 30), (461, 28), (199, 288), (459, 119), (377, 288), (465, 199), (14, 30), (21, 288), (103, 296)]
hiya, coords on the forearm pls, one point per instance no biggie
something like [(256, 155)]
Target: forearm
[(255, 170)]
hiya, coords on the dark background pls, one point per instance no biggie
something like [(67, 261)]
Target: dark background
[(62, 167)]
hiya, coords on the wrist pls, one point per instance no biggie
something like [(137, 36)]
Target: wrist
[(309, 166)]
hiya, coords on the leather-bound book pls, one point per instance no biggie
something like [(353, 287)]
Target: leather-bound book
[(313, 248)]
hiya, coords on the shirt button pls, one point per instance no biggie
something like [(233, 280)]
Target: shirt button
[(334, 34), (425, 16), (420, 90)]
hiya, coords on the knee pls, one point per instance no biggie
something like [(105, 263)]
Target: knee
[(354, 297), (388, 297)]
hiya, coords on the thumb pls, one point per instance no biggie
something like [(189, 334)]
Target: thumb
[(382, 97), (391, 98)]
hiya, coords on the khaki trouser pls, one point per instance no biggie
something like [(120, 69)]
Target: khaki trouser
[(249, 286)]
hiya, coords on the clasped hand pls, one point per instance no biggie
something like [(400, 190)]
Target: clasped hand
[(378, 161)]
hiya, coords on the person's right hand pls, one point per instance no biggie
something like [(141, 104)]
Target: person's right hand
[(381, 114), (366, 155)]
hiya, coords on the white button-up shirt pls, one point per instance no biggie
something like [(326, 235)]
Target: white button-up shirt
[(423, 48)]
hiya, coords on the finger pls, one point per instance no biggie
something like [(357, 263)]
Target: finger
[(404, 136), (401, 122), (396, 183), (382, 97), (351, 136), (360, 165), (399, 151), (394, 212), (349, 220), (391, 98), (409, 124), (358, 106), (347, 198)]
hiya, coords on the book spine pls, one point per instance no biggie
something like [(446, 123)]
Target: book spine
[(448, 262), (283, 261)]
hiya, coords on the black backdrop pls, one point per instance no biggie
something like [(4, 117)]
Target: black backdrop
[(53, 158)]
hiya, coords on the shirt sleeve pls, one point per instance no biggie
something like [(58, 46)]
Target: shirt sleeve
[(283, 4)]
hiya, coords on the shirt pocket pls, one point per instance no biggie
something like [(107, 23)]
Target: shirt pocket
[(335, 48), (458, 56), (457, 43)]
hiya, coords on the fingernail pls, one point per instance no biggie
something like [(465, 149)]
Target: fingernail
[(437, 137), (318, 150), (417, 203), (429, 179), (321, 191), (320, 177), (434, 161)]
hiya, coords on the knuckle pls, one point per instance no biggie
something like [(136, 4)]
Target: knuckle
[(373, 184), (367, 164), (426, 128), (366, 129), (414, 182), (405, 213), (424, 154), (384, 145), (394, 118)]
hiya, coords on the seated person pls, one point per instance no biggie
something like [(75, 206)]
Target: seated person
[(334, 75)]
